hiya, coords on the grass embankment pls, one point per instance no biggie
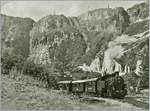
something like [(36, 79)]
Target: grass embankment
[(26, 93)]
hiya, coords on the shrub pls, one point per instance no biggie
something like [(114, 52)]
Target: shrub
[(131, 81), (10, 61), (145, 79), (15, 74), (41, 73), (30, 68)]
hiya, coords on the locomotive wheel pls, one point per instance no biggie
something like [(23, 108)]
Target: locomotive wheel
[(119, 88), (120, 94)]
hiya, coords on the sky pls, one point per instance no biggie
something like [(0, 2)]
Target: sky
[(38, 9)]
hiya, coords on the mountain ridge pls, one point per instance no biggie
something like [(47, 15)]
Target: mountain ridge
[(84, 38)]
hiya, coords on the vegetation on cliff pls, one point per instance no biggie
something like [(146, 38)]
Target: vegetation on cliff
[(15, 35)]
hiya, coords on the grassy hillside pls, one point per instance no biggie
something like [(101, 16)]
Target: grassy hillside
[(25, 93)]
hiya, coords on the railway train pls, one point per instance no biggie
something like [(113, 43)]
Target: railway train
[(111, 85)]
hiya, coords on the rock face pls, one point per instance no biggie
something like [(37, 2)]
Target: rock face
[(139, 11), (139, 69), (106, 19), (55, 38), (101, 26), (15, 35), (104, 39), (131, 46), (95, 66), (109, 34), (139, 30)]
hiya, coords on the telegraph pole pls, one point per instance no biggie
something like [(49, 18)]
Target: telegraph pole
[(108, 4), (88, 19)]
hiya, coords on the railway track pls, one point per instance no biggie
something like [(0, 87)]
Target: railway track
[(137, 103), (130, 100)]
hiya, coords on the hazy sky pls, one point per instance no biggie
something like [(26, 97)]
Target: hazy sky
[(39, 9)]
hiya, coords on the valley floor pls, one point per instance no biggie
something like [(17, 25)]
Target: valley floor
[(26, 93)]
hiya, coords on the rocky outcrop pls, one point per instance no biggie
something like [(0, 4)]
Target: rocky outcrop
[(101, 26), (136, 50), (138, 27), (15, 35), (102, 39), (95, 66), (106, 19), (139, 68), (138, 12), (59, 39), (139, 30), (126, 49)]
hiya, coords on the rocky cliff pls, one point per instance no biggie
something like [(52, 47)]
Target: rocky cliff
[(55, 39), (139, 12), (104, 33), (15, 35), (128, 42), (132, 45), (102, 39), (106, 19), (101, 26), (56, 34)]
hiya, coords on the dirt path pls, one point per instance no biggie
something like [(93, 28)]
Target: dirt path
[(135, 101)]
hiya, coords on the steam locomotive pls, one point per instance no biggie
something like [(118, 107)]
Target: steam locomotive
[(114, 86), (110, 85)]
